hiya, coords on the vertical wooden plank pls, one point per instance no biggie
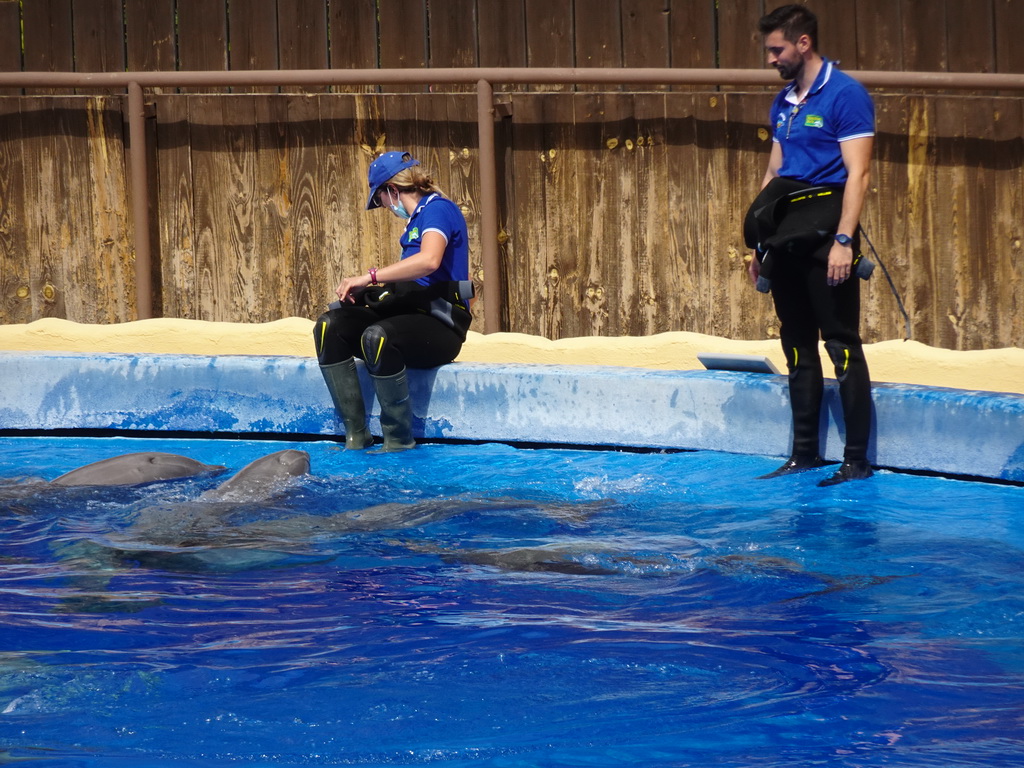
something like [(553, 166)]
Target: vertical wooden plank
[(691, 121), (925, 42), (678, 199), (175, 202), (202, 38), (550, 37), (272, 211), (452, 26), (888, 201), (957, 158), (376, 239), (10, 41), (352, 28), (109, 250), (48, 39), (924, 210), (566, 278), (528, 262), (1009, 26), (879, 34), (63, 282), (502, 37), (1007, 236), (971, 36), (836, 18), (598, 38), (150, 37), (656, 303), (982, 261), (224, 157), (645, 36), (746, 150), (302, 36), (252, 30), (605, 200), (464, 190), (693, 43), (98, 28), (342, 163), (545, 288), (985, 245), (403, 39), (950, 234), (306, 220), (15, 291), (430, 137), (739, 42)]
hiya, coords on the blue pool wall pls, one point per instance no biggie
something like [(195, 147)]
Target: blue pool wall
[(932, 429)]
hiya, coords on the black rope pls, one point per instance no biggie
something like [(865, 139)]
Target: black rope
[(899, 302)]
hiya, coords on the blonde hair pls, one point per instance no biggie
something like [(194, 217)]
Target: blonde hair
[(415, 179)]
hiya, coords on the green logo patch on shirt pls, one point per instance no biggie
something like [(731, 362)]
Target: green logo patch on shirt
[(414, 233), (814, 121)]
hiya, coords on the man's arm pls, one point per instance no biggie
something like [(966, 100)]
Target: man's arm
[(857, 159)]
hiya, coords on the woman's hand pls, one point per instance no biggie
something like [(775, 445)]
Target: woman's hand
[(351, 288), (753, 267)]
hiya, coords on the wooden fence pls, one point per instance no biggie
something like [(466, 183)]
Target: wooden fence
[(620, 208)]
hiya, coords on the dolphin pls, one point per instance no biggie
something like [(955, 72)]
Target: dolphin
[(582, 558), (203, 521), (261, 478), (135, 469)]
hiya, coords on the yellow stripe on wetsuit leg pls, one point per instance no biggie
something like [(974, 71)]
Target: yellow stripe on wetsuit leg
[(376, 357), (323, 336)]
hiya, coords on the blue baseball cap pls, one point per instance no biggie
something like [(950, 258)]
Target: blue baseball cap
[(383, 169)]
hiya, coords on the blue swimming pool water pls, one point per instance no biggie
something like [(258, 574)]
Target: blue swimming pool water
[(522, 608)]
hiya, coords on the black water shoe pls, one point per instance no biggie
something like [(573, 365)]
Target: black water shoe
[(850, 470), (794, 464)]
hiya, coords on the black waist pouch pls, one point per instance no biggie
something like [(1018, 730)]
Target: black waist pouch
[(446, 301)]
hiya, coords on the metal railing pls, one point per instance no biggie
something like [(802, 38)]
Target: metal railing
[(482, 78)]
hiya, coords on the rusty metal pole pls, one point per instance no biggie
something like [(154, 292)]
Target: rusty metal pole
[(139, 201), (489, 207)]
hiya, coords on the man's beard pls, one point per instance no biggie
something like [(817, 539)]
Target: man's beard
[(790, 71)]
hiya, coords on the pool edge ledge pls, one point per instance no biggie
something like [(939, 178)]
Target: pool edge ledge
[(933, 429)]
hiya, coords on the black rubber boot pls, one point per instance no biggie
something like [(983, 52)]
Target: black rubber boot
[(794, 464), (855, 396), (851, 469), (395, 411), (806, 389), (343, 384)]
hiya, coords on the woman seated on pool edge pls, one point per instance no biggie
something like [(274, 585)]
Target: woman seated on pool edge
[(413, 312)]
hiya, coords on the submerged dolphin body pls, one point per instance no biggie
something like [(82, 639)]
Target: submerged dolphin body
[(135, 469), (588, 558)]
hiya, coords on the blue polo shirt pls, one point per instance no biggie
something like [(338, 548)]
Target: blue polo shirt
[(439, 214), (836, 109)]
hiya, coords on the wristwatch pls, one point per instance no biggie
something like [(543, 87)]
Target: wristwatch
[(844, 240)]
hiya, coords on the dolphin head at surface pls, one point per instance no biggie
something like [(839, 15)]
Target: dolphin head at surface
[(135, 469), (261, 478)]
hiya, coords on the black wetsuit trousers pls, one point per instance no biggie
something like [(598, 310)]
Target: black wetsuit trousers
[(806, 306), (386, 344)]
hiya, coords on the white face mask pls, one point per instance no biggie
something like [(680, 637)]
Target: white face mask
[(397, 208)]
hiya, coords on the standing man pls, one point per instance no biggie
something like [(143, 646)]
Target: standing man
[(823, 130)]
